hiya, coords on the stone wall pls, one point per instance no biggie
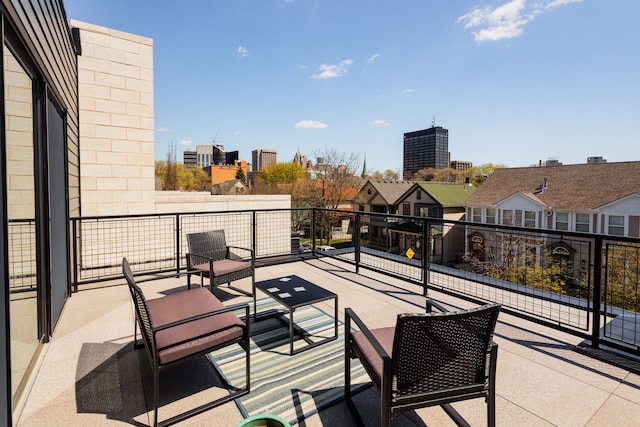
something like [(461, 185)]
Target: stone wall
[(115, 73)]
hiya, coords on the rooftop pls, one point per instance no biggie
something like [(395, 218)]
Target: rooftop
[(91, 375)]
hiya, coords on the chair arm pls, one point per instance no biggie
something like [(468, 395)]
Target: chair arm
[(203, 316), (430, 304), (193, 259), (351, 315), (241, 248)]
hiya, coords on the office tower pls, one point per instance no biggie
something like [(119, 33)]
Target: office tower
[(427, 148), (263, 158), (204, 155)]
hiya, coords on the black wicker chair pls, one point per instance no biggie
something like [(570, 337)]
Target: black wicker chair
[(182, 325), (210, 256), (426, 360)]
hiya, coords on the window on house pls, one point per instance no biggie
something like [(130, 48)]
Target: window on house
[(507, 217), (490, 216), (582, 223), (418, 195), (406, 209), (562, 221), (529, 218), (476, 214), (616, 225)]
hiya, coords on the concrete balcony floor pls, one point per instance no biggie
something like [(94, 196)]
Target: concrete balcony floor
[(541, 379)]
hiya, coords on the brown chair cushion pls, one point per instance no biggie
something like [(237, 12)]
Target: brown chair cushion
[(223, 266), (385, 337), (181, 341)]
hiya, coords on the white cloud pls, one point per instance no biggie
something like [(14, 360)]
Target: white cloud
[(506, 21), (243, 51), (163, 129), (329, 71), (186, 142), (553, 3), (408, 90), (373, 58), (380, 122), (236, 133), (310, 124)]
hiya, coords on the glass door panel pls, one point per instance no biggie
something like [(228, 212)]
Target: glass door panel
[(21, 216)]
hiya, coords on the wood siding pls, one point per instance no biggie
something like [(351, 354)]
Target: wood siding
[(44, 29)]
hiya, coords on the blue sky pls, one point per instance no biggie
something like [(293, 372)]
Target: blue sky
[(514, 81)]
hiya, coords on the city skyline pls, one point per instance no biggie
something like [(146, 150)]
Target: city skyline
[(515, 82)]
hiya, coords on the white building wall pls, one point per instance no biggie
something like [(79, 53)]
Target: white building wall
[(116, 112)]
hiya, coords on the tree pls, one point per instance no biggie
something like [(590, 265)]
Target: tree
[(335, 184), (171, 171), (240, 175), (281, 173), (478, 174), (387, 175), (181, 178), (439, 175)]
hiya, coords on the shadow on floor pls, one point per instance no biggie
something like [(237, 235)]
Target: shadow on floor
[(116, 380)]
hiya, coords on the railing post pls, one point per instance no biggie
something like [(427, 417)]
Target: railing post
[(426, 245), (178, 234), (313, 230), (74, 248), (254, 235), (597, 291), (356, 241)]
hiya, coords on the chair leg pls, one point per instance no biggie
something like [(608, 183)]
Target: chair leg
[(347, 374), (156, 393)]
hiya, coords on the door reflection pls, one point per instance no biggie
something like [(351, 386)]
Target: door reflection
[(21, 214)]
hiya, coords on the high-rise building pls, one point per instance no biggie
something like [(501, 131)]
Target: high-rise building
[(221, 157), (427, 148), (263, 158), (204, 155), (260, 160)]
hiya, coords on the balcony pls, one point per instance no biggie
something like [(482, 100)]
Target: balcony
[(549, 373)]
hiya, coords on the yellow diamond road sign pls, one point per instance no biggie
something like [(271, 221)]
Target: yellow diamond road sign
[(410, 253)]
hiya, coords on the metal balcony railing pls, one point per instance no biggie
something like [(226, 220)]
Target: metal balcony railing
[(584, 284)]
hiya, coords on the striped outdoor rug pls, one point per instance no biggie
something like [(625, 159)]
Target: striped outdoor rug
[(292, 387)]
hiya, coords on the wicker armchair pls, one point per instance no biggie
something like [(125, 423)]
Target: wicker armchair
[(182, 325), (210, 256), (426, 360)]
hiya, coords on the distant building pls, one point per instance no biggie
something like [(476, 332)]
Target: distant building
[(221, 173), (230, 187), (427, 148), (190, 158), (461, 167), (204, 155), (221, 157), (303, 161), (598, 159), (261, 159)]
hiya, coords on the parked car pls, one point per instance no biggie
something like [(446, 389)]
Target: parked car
[(325, 248), (305, 247)]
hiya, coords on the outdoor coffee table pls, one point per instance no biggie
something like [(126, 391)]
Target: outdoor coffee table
[(294, 292)]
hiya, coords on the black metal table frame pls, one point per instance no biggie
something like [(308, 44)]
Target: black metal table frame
[(285, 287)]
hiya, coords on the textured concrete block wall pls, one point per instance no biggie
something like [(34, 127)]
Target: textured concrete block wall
[(115, 73)]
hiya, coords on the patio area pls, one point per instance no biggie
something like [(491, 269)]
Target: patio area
[(91, 375)]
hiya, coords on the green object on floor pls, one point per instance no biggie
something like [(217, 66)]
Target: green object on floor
[(266, 420)]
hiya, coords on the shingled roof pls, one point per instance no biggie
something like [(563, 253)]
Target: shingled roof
[(448, 194), (583, 186), (390, 191)]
